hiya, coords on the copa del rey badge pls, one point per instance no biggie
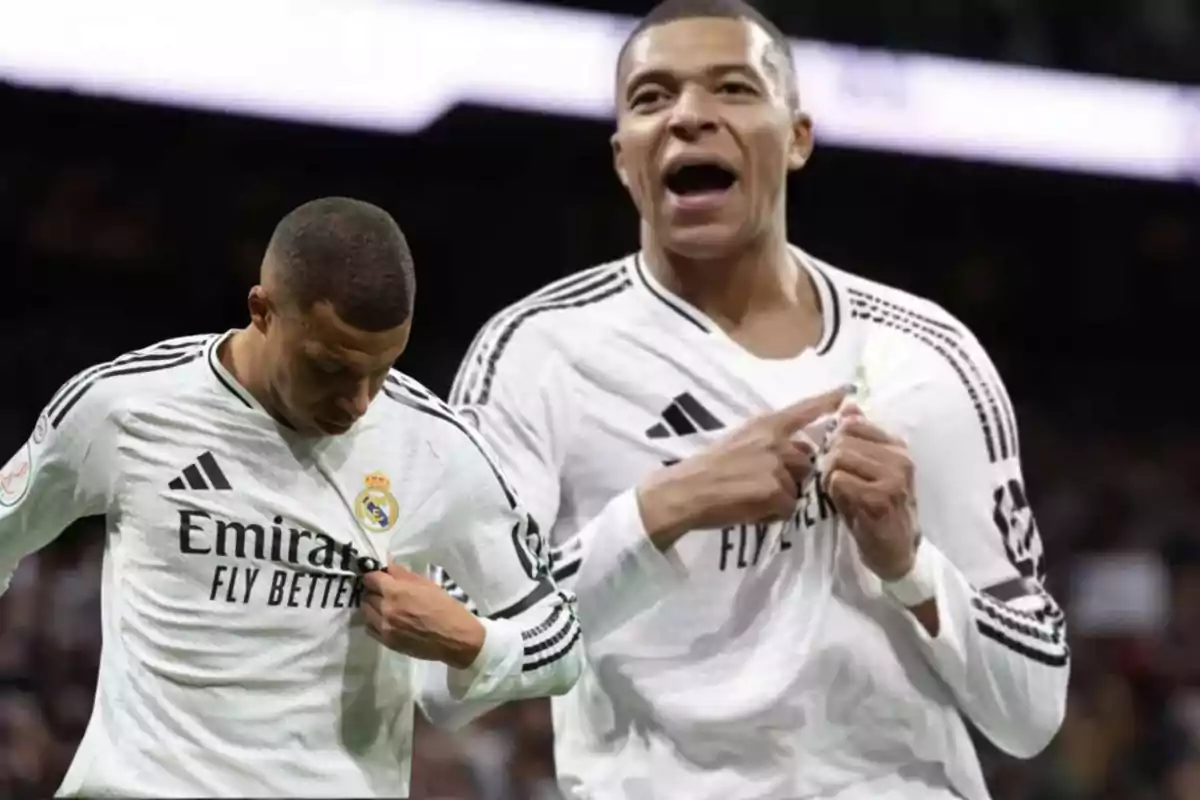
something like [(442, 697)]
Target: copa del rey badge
[(376, 506), (14, 477)]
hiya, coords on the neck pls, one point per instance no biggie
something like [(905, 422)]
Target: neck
[(760, 278), (242, 356)]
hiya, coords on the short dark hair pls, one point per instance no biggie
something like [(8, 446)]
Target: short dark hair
[(675, 10), (350, 253)]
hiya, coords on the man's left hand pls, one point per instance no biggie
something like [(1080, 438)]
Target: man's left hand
[(868, 473)]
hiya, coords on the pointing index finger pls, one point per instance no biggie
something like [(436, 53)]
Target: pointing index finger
[(799, 415)]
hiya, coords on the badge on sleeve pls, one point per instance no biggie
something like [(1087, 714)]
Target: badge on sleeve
[(14, 477)]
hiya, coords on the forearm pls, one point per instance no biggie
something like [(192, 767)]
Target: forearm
[(622, 569), (1007, 663), (536, 653)]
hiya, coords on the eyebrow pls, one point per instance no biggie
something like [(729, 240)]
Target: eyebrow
[(662, 75)]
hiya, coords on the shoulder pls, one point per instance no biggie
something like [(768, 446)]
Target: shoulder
[(887, 306), (922, 363), (92, 394), (563, 316), (445, 429), (909, 329)]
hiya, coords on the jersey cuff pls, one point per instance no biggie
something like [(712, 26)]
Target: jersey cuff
[(951, 593), (500, 657), (920, 584)]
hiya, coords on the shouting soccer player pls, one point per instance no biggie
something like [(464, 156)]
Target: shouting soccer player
[(254, 483), (753, 630)]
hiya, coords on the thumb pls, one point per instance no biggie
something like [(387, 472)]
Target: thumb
[(398, 570)]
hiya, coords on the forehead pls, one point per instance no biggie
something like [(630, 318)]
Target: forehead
[(322, 334), (690, 46)]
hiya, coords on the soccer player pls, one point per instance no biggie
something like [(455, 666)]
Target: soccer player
[(754, 631), (255, 485)]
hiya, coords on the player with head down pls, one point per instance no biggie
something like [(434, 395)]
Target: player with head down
[(273, 497), (781, 597)]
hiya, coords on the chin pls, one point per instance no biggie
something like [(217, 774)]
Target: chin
[(703, 242)]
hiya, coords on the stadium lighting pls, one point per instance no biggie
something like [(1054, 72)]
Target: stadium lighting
[(398, 65)]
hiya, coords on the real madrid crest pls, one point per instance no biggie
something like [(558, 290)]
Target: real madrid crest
[(376, 506)]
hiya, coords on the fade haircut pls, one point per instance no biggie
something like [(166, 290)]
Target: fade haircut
[(675, 10), (349, 253)]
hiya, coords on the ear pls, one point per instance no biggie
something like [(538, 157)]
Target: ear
[(618, 159), (259, 305), (802, 142)]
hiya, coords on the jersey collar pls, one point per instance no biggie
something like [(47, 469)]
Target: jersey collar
[(827, 292), (225, 377)]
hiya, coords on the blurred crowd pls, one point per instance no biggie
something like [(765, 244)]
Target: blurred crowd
[(1082, 289)]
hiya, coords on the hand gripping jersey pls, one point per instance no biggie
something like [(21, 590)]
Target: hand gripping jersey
[(765, 661), (235, 660)]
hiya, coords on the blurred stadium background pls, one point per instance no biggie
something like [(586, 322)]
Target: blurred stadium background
[(147, 149)]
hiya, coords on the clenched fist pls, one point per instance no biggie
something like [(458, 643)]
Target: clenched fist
[(868, 474), (754, 474)]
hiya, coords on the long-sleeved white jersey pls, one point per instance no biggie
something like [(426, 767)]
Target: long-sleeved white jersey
[(765, 661), (235, 660)]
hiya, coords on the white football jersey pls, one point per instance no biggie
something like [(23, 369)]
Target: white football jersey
[(765, 661), (235, 659)]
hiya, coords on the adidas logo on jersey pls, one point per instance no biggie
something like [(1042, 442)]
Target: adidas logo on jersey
[(191, 477), (683, 417)]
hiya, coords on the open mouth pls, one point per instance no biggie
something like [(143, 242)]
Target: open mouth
[(693, 179)]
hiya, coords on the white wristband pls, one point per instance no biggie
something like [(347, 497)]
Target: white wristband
[(920, 584)]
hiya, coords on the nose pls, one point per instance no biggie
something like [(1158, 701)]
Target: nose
[(693, 115), (356, 403)]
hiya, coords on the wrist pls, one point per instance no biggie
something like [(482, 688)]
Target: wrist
[(662, 504), (918, 585), (465, 643)]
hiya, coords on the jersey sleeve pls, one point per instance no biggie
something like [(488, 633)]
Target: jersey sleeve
[(1001, 644), (513, 387), (488, 545), (63, 472), (516, 388)]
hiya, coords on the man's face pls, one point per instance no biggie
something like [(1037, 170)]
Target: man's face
[(322, 373), (706, 134)]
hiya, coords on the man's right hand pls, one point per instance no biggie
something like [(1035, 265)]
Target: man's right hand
[(752, 475)]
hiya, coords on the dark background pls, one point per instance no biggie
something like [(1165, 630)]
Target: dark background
[(122, 224)]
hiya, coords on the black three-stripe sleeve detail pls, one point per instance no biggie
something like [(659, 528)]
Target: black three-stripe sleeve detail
[(131, 365), (479, 390), (552, 639), (1000, 404), (166, 349), (1000, 637), (572, 291), (978, 387), (545, 642), (443, 579), (1037, 635)]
